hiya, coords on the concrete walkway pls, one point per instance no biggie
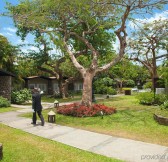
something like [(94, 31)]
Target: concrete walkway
[(119, 148)]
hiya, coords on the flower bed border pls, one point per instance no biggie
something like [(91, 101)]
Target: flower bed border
[(161, 120)]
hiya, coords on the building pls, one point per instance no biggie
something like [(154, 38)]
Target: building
[(49, 85), (6, 84)]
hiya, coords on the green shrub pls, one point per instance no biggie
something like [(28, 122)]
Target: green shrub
[(19, 97), (104, 86), (147, 85), (165, 105), (160, 99), (4, 102), (111, 91), (129, 83), (147, 98)]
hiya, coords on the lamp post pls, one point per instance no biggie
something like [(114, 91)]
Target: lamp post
[(51, 117), (56, 104)]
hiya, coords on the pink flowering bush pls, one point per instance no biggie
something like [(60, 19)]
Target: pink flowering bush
[(78, 110)]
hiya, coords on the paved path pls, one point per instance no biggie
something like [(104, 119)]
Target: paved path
[(119, 148)]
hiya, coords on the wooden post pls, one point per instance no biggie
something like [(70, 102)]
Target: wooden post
[(1, 151)]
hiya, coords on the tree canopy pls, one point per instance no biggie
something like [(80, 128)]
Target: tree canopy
[(149, 44), (8, 54), (77, 25)]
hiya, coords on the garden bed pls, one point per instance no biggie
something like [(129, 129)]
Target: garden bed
[(78, 110)]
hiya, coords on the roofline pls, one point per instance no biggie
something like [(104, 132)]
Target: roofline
[(43, 77), (6, 73)]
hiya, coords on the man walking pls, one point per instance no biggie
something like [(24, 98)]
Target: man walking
[(36, 106)]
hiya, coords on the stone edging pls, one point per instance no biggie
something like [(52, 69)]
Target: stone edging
[(160, 119)]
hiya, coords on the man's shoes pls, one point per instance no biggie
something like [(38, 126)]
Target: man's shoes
[(42, 123), (33, 123), (42, 120)]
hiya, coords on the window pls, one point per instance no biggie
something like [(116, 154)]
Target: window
[(78, 86), (56, 88), (43, 87), (31, 86)]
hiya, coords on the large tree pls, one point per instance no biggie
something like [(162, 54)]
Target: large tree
[(149, 44), (8, 54), (81, 21)]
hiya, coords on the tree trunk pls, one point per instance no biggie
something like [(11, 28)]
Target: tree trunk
[(121, 86), (87, 89), (64, 90)]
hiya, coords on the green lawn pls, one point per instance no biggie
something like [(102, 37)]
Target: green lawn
[(19, 146), (51, 99), (132, 120), (7, 109)]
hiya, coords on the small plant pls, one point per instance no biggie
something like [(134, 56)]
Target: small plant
[(19, 97), (84, 111), (4, 102), (165, 105), (160, 99)]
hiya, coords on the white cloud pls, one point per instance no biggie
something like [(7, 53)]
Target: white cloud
[(7, 34), (24, 50), (22, 42), (10, 34), (13, 30), (33, 48), (158, 16), (2, 34), (28, 49)]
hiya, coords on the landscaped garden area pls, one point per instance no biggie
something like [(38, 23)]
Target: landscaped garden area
[(132, 120), (71, 50)]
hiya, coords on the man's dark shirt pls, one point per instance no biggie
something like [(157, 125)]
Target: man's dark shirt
[(36, 102)]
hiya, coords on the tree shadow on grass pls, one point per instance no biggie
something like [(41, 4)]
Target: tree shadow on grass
[(112, 99), (131, 117)]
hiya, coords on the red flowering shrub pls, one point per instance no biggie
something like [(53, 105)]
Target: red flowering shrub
[(83, 111)]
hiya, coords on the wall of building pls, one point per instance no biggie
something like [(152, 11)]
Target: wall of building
[(5, 86), (52, 85), (38, 83)]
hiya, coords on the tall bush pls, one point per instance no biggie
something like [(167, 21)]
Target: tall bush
[(129, 83), (19, 97), (104, 86)]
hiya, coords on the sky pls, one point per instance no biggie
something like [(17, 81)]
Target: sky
[(8, 30)]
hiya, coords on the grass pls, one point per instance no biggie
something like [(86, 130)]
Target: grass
[(51, 99), (24, 147), (7, 109)]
